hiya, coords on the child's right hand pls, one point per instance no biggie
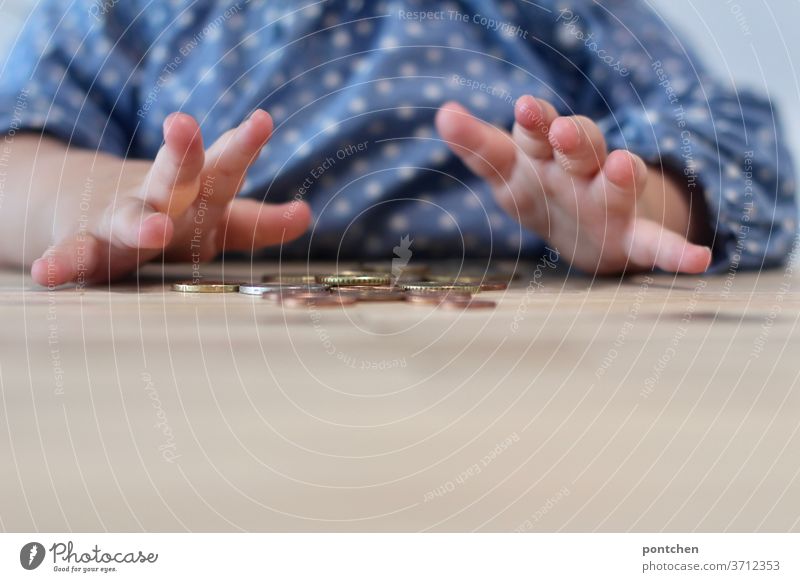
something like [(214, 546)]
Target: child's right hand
[(181, 205)]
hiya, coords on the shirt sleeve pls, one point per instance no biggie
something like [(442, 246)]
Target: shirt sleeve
[(723, 144), (72, 72)]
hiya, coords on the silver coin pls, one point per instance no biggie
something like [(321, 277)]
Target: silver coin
[(261, 288)]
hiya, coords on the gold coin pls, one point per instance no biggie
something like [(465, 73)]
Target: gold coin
[(205, 287), (486, 283), (369, 288), (355, 278), (290, 279), (427, 286)]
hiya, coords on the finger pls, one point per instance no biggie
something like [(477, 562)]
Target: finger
[(486, 150), (653, 246), (73, 259), (579, 145), (228, 159), (620, 182), (132, 223), (532, 126), (191, 242), (250, 224), (174, 180)]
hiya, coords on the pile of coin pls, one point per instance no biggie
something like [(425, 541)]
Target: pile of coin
[(366, 285)]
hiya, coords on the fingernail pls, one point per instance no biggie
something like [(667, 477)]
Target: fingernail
[(169, 119), (247, 121), (254, 113), (528, 110)]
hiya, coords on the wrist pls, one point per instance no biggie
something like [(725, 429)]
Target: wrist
[(94, 182)]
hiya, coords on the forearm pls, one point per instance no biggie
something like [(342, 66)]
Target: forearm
[(50, 189)]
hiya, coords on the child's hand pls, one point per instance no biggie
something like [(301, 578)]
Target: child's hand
[(606, 213), (182, 205)]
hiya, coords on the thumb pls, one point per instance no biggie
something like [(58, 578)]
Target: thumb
[(251, 224)]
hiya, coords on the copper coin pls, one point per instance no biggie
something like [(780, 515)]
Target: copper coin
[(494, 286)]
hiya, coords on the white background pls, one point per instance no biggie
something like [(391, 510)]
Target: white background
[(768, 59)]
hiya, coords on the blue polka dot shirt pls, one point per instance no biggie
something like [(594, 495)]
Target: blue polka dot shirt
[(353, 87)]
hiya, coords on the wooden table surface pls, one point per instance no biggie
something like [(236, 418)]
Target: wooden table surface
[(655, 404)]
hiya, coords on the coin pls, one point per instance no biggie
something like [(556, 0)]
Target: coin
[(279, 294), (288, 279), (370, 293), (494, 286), (205, 287), (355, 278), (261, 288), (467, 304), (317, 300), (369, 288), (428, 286), (487, 283)]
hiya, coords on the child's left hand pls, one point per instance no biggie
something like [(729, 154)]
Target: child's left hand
[(605, 213)]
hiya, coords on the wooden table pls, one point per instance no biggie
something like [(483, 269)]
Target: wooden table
[(658, 403)]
